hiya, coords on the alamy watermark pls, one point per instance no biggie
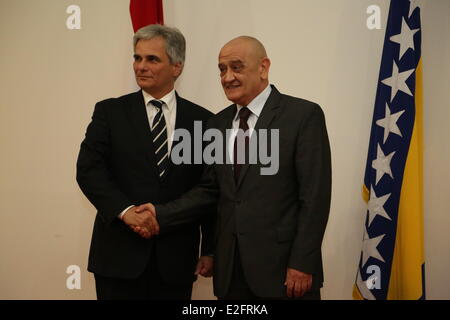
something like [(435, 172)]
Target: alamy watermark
[(74, 280), (374, 20), (263, 147), (374, 281), (73, 22)]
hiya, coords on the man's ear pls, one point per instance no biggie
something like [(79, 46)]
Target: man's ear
[(264, 68), (177, 69)]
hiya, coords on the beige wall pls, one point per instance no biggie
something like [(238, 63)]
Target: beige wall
[(320, 50)]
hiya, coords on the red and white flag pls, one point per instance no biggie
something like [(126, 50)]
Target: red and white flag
[(145, 12)]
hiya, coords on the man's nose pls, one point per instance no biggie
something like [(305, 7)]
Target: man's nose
[(142, 65), (228, 76)]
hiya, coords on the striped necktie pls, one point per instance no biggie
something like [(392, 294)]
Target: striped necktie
[(159, 138)]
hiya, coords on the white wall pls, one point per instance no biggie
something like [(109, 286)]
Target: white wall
[(436, 53), (321, 50)]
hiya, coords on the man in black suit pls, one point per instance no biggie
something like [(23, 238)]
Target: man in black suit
[(124, 161), (270, 227)]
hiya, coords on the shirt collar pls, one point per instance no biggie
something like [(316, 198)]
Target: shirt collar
[(168, 99), (257, 104)]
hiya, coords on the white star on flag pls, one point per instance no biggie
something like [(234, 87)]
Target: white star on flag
[(376, 206), (382, 164), (413, 4), (398, 81), (389, 123), (370, 248), (405, 38)]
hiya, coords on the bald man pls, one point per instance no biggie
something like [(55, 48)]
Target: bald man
[(269, 226)]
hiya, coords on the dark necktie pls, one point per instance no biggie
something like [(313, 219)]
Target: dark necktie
[(159, 138), (244, 113)]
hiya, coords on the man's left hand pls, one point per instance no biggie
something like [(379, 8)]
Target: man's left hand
[(297, 283), (205, 266)]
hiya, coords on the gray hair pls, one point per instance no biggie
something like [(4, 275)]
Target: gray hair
[(175, 42)]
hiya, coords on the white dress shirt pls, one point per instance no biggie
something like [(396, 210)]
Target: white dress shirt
[(169, 110), (255, 106), (170, 115)]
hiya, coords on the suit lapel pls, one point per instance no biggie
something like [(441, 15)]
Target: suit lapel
[(268, 113), (139, 120)]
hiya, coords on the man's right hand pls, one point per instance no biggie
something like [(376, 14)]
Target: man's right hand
[(141, 221), (153, 228)]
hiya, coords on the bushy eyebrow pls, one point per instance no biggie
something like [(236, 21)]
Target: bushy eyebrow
[(232, 62), (150, 57)]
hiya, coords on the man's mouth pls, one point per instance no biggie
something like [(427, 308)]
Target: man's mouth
[(232, 86)]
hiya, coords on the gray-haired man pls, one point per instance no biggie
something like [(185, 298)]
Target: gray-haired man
[(124, 161)]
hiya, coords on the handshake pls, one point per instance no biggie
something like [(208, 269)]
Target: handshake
[(142, 220)]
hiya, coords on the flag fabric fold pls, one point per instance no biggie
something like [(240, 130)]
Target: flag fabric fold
[(391, 264), (145, 12)]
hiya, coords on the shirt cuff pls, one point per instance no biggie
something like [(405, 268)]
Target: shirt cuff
[(123, 212)]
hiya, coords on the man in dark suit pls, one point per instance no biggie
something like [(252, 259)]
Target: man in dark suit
[(124, 161), (270, 227)]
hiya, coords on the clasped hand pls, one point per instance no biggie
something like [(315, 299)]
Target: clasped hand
[(142, 220)]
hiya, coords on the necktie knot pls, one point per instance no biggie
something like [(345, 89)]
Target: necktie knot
[(157, 103), (244, 114)]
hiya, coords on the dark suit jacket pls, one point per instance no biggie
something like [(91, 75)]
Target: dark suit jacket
[(116, 168), (278, 221)]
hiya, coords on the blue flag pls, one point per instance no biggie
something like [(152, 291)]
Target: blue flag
[(391, 264)]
